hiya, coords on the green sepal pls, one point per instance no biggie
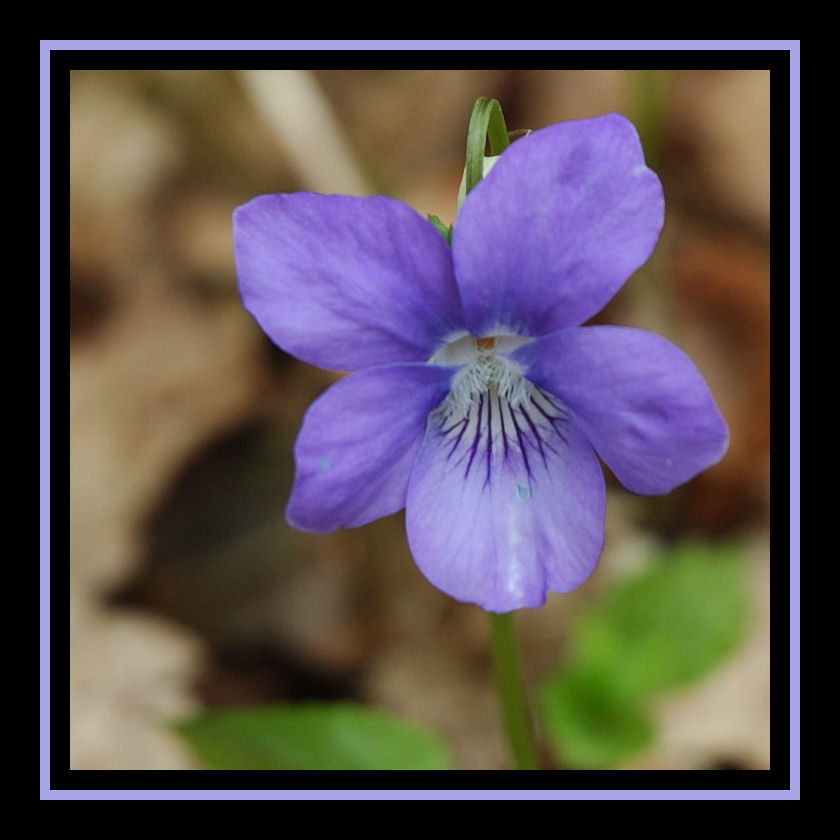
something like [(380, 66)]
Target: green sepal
[(486, 123), (441, 228)]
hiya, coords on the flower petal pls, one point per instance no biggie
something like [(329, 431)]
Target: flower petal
[(639, 399), (567, 214), (345, 283), (507, 505), (357, 444)]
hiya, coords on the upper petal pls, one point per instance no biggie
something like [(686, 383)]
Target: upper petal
[(567, 214), (358, 442), (344, 282), (639, 399), (505, 504)]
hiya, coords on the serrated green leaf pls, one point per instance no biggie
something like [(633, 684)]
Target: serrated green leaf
[(317, 736)]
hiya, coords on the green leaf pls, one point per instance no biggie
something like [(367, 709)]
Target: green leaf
[(589, 725), (670, 625), (660, 630), (318, 736)]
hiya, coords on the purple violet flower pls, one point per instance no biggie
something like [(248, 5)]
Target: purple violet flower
[(477, 401)]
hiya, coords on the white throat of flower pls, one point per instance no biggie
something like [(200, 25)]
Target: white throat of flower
[(489, 373), (485, 369), (492, 411)]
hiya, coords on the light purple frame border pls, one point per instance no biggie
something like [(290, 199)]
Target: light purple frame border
[(793, 46)]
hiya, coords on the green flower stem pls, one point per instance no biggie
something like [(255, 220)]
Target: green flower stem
[(515, 717), (650, 103), (488, 123)]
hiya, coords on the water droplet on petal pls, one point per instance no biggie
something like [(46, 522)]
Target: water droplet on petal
[(523, 492), (324, 464)]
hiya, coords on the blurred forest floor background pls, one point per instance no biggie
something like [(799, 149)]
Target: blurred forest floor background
[(188, 589)]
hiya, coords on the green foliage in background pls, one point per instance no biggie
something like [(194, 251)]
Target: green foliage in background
[(654, 632), (318, 736), (658, 631)]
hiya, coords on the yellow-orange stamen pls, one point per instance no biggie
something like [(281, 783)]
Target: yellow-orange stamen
[(485, 343)]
